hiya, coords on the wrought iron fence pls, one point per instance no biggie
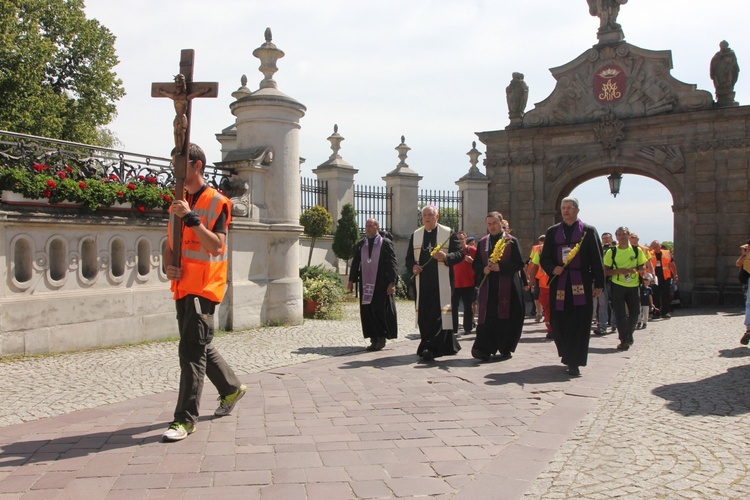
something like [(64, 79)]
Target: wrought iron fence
[(95, 162), (314, 192), (449, 203), (373, 202)]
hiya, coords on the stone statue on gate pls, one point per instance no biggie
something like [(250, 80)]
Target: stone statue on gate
[(607, 11), (724, 73), (517, 95)]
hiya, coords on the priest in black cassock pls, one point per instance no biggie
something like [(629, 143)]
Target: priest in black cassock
[(434, 283), (572, 257), (501, 307), (374, 267)]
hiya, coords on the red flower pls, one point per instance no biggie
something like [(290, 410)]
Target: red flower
[(151, 180), (46, 193), (38, 167), (112, 177), (141, 208), (131, 186), (61, 175), (120, 194), (82, 185), (141, 178), (51, 184), (68, 169), (168, 198), (45, 166)]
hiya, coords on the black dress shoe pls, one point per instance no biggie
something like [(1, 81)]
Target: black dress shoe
[(745, 338), (505, 355), (427, 355), (574, 371), (477, 354), (622, 346)]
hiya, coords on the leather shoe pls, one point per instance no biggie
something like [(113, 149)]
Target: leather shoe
[(477, 354), (622, 346), (574, 371), (745, 338), (376, 344), (504, 355), (427, 355)]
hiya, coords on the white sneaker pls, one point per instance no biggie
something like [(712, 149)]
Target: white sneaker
[(178, 431), (226, 403)]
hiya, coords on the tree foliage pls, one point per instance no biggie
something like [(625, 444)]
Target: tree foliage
[(347, 233), (316, 222), (56, 77)]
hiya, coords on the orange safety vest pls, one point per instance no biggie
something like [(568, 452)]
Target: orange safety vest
[(203, 274), (541, 277), (666, 261)]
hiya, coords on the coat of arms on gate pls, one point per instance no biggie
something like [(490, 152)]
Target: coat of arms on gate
[(609, 84)]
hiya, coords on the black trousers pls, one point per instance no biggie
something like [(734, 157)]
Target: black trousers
[(627, 306), (199, 358), (467, 296)]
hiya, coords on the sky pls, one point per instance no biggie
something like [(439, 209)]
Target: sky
[(434, 71)]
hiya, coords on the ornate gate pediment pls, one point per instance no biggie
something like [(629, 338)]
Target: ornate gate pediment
[(623, 79)]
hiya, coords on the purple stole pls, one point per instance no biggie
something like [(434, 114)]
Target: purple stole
[(504, 287), (572, 270), (369, 268)]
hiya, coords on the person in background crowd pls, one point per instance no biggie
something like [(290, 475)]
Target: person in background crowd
[(539, 279), (464, 285), (602, 309), (665, 271), (744, 263), (647, 301)]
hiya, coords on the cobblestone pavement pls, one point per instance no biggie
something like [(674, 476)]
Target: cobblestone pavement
[(673, 424), (324, 419)]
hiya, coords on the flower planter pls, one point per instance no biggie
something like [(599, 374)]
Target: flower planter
[(11, 198), (308, 307)]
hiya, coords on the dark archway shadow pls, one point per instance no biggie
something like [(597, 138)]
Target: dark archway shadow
[(545, 374), (724, 394), (603, 350), (737, 352)]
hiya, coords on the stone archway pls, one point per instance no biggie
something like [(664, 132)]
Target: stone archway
[(647, 123)]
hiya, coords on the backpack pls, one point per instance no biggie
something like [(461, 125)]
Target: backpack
[(635, 251)]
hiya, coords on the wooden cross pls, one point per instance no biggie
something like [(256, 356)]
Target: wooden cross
[(182, 91)]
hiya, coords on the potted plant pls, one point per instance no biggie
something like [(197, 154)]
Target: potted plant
[(322, 293)]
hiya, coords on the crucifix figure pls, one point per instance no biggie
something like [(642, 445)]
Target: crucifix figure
[(182, 91)]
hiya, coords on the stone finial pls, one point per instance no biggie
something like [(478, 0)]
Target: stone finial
[(243, 90), (402, 149), (474, 157), (268, 54), (335, 140)]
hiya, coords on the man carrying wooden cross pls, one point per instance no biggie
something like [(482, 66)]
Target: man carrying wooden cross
[(199, 277)]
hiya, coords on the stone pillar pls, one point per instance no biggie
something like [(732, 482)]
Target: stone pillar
[(474, 196), (340, 178), (403, 182), (264, 239)]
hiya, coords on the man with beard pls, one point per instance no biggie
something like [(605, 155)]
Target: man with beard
[(432, 249), (501, 310), (374, 267), (572, 257)]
